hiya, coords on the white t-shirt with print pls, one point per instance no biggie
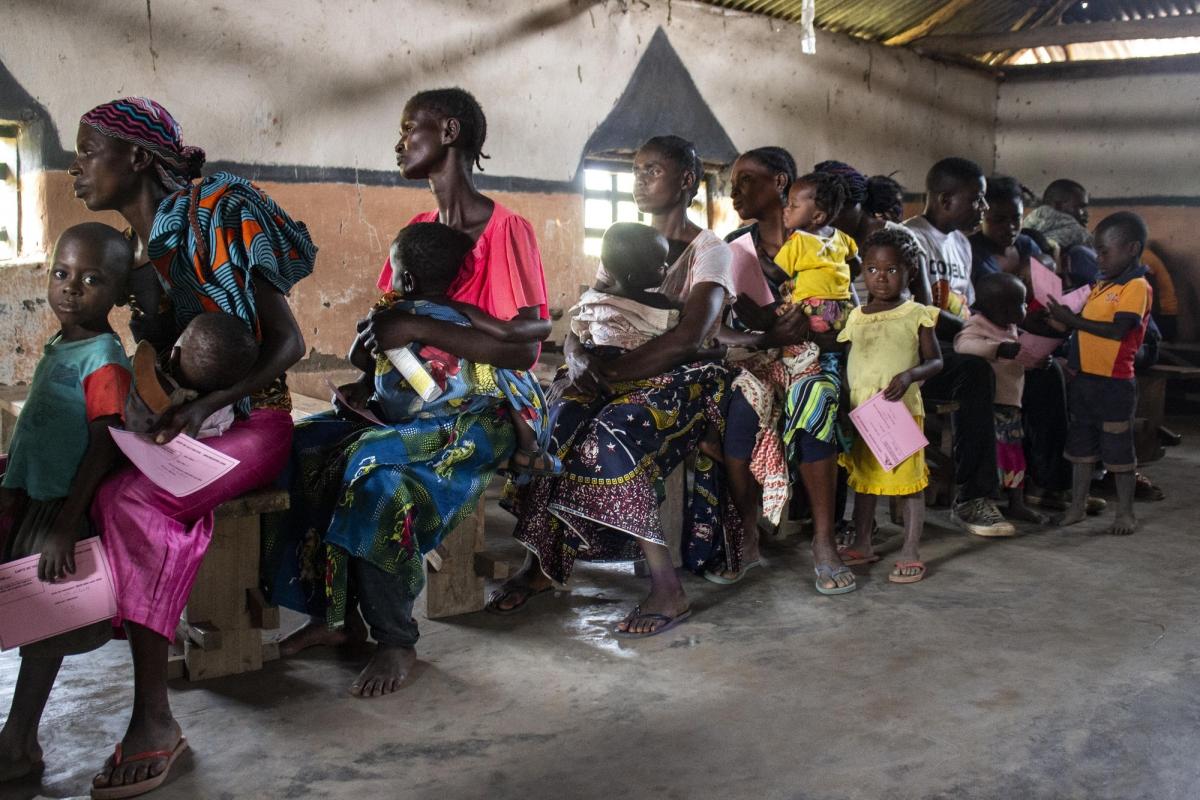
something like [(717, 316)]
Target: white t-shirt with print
[(947, 261)]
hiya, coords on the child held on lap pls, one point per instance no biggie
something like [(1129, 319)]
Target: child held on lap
[(425, 257), (214, 352), (61, 450), (816, 257), (1102, 395), (628, 311), (991, 333), (892, 349)]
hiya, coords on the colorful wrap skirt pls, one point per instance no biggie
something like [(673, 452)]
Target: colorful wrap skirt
[(615, 455), (387, 494)]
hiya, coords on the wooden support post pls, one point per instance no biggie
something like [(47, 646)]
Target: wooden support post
[(226, 613), (453, 587)]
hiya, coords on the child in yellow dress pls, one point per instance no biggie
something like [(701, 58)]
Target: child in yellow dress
[(892, 349)]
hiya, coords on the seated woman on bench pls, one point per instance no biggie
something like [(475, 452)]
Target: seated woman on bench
[(368, 501), (622, 424)]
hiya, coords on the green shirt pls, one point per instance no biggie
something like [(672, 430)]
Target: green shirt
[(73, 384)]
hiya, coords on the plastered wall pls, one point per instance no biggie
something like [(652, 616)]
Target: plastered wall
[(1132, 140), (314, 91)]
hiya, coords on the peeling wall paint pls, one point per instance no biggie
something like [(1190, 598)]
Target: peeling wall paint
[(274, 89)]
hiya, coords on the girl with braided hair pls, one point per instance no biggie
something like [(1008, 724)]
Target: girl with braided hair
[(217, 244)]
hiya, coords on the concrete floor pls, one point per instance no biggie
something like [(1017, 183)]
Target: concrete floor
[(1055, 665)]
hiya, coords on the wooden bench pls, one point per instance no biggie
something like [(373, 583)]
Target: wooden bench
[(457, 569), (1152, 402), (221, 631)]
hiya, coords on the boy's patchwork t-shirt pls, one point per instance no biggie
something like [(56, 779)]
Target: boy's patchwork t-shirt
[(817, 264), (946, 259), (74, 383), (1127, 295)]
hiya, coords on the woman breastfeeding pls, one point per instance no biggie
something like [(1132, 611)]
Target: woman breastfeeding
[(217, 245), (369, 501), (624, 419)]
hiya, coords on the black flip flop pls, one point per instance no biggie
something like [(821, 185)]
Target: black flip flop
[(670, 622), (493, 603)]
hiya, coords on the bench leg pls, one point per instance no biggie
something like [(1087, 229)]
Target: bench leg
[(453, 584)]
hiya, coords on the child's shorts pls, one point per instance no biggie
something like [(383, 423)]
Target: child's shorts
[(1010, 450), (1101, 421), (868, 476), (23, 535)]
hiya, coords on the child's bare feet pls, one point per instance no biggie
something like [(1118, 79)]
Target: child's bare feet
[(1072, 516), (385, 672), (18, 759), (316, 633), (1123, 525), (1019, 511)]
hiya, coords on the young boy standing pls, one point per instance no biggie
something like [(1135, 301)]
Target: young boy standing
[(1102, 397)]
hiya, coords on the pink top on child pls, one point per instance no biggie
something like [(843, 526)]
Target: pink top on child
[(502, 274), (982, 337)]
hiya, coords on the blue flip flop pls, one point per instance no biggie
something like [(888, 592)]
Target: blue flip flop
[(826, 572)]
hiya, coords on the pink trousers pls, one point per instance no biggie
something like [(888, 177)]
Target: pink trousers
[(156, 541)]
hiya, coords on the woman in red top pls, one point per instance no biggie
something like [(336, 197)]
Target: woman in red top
[(367, 501)]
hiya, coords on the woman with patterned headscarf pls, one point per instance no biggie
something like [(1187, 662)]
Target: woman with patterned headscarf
[(214, 245)]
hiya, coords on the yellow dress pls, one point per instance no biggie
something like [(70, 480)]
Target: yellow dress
[(882, 345)]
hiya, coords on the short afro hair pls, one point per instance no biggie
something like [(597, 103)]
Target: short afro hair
[(1003, 189), (1131, 227), (459, 104), (682, 153), (431, 253), (952, 173)]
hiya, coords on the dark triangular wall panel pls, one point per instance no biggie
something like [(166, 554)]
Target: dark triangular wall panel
[(661, 98)]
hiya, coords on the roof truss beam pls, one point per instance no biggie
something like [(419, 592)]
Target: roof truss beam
[(1060, 35)]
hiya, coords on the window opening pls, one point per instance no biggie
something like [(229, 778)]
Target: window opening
[(608, 198)]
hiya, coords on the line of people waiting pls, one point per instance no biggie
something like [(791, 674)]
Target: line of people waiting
[(745, 353)]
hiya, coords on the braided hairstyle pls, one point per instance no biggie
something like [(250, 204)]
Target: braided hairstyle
[(459, 104), (901, 241), (683, 153), (829, 191), (856, 182), (775, 160), (885, 198)]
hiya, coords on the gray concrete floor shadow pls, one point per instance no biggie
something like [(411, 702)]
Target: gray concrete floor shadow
[(1059, 664)]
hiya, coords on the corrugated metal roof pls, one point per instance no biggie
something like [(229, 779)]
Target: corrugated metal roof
[(904, 22)]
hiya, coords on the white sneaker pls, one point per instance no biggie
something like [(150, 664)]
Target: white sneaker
[(981, 517)]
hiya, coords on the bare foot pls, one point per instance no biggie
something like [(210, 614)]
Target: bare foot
[(384, 673), (1024, 513), (1070, 518), (147, 737), (18, 760), (1123, 525), (517, 590), (670, 604), (318, 634)]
